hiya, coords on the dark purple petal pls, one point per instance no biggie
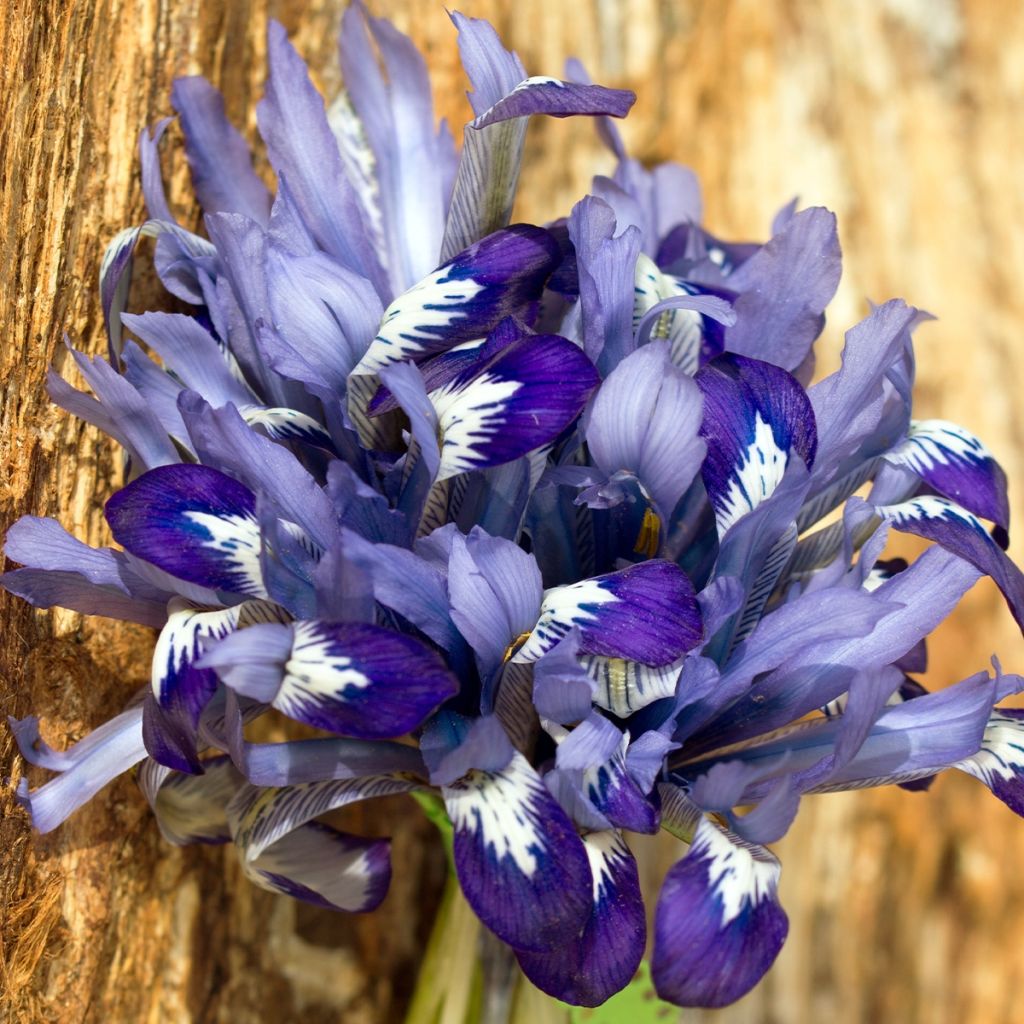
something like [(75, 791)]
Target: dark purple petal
[(591, 967), (521, 399), (466, 298), (646, 419), (522, 867), (218, 156), (195, 523), (350, 678), (784, 289), (962, 533), (719, 925), (756, 417), (646, 613), (955, 463)]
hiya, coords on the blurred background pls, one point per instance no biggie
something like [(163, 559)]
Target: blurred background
[(905, 117)]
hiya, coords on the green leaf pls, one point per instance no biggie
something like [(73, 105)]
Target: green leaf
[(636, 1003)]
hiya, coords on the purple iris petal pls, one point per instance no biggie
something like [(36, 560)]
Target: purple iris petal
[(957, 465), (603, 958), (756, 416), (521, 399), (218, 156), (646, 613), (719, 925), (193, 522), (784, 289), (351, 678), (646, 419), (522, 867), (962, 533)]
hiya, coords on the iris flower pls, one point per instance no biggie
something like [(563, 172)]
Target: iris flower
[(548, 522)]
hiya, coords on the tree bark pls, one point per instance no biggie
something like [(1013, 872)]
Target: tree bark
[(906, 118)]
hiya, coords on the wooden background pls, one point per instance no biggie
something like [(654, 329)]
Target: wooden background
[(906, 117)]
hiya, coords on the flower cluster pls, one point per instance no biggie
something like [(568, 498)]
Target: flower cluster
[(546, 521)]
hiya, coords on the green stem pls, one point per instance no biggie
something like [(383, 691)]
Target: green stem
[(448, 978)]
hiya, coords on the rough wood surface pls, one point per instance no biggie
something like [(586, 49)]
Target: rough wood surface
[(906, 117)]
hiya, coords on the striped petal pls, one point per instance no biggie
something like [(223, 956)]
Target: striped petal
[(519, 860), (350, 678), (718, 926), (283, 849), (961, 532), (646, 613), (756, 417), (1000, 761), (488, 171), (691, 336), (320, 865), (191, 808), (955, 463), (605, 955), (466, 298), (521, 399), (193, 522)]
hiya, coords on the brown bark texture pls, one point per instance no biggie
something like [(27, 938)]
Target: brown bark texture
[(906, 117)]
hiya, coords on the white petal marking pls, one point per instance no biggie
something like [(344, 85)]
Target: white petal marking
[(739, 873), (495, 806), (560, 610), (754, 478), (237, 538)]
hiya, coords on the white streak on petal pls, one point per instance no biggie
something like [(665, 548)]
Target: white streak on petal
[(739, 873), (754, 478), (494, 805), (561, 609), (931, 442), (237, 539)]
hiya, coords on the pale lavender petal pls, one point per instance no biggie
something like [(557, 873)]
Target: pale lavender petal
[(88, 767), (218, 156), (605, 262), (301, 146), (646, 419), (784, 289), (494, 590)]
